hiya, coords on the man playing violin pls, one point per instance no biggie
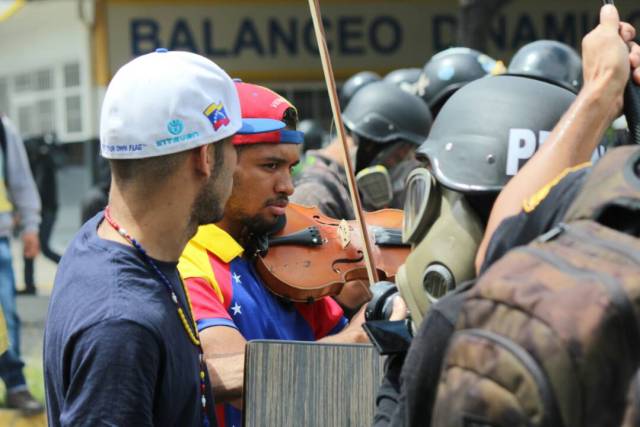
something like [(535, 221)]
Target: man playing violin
[(230, 301)]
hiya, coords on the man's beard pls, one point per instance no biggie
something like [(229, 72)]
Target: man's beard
[(207, 207), (257, 224)]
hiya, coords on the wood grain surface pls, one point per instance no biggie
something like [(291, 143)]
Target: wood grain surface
[(309, 384)]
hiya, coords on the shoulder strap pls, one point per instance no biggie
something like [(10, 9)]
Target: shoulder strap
[(613, 181)]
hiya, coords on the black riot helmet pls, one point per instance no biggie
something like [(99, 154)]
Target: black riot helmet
[(382, 115), (404, 78), (449, 70), (549, 60), (355, 83), (489, 129), (382, 112), (314, 134)]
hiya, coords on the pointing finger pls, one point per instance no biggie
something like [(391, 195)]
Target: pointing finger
[(609, 17)]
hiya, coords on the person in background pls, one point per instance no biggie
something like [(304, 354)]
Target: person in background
[(18, 193), (386, 125), (41, 152), (449, 70)]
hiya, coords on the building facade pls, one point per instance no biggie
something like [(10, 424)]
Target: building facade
[(57, 56)]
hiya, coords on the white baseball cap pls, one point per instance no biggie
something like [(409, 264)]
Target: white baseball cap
[(166, 102)]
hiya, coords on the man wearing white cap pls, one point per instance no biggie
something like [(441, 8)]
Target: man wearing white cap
[(121, 346)]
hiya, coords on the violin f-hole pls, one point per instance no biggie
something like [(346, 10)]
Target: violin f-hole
[(346, 261)]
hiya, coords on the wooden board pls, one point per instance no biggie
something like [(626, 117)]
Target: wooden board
[(309, 384)]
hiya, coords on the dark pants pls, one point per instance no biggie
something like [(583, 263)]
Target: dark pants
[(46, 227)]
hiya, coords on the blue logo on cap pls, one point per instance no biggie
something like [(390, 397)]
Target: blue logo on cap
[(175, 127)]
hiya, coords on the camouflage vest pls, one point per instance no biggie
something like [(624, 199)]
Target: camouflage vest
[(550, 334)]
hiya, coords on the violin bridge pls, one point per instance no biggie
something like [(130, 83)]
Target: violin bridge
[(344, 233)]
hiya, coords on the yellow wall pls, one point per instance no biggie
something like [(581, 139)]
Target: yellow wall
[(272, 40)]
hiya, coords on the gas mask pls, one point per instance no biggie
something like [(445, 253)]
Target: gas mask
[(444, 232), (382, 185)]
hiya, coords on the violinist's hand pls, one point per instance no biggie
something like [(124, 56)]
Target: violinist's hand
[(352, 333), (354, 294), (400, 310)]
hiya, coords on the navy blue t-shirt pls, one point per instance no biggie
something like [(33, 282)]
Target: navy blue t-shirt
[(115, 350)]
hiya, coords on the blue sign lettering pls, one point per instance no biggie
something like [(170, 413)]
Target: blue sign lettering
[(565, 32), (248, 38), (181, 37), (144, 36), (278, 35), (394, 39), (209, 46), (498, 33), (509, 35), (525, 32), (350, 36), (310, 39), (444, 32)]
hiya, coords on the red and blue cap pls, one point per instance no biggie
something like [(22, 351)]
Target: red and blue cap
[(262, 114)]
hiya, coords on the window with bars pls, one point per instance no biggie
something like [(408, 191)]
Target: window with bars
[(26, 122), (46, 116), (73, 114), (43, 79), (45, 100), (22, 83), (72, 75)]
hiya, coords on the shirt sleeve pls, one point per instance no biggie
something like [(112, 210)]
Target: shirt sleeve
[(112, 373), (541, 213), (324, 316), (208, 309), (22, 187)]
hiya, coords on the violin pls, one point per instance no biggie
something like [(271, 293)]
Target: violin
[(313, 255)]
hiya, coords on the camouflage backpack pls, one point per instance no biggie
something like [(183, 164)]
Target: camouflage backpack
[(550, 334)]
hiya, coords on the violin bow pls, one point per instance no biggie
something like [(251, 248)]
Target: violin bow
[(327, 68)]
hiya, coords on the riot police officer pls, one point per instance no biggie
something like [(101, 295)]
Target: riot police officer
[(449, 70), (404, 78), (386, 125), (549, 60), (483, 135), (355, 83)]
